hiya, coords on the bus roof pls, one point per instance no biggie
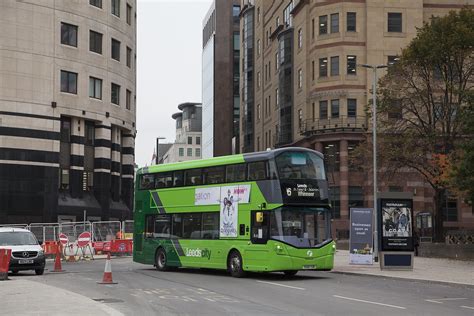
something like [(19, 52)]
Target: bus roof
[(222, 160)]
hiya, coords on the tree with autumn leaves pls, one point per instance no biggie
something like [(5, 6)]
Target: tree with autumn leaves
[(423, 99)]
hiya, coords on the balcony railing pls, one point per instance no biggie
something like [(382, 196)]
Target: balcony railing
[(339, 124)]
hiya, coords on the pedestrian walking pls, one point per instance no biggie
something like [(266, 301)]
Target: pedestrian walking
[(416, 242)]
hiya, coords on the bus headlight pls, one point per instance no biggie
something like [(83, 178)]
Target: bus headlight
[(279, 249)]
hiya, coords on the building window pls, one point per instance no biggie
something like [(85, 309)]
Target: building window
[(323, 110), (351, 65), (323, 24), (258, 48), (335, 23), (287, 18), (312, 28), (258, 14), (68, 82), (198, 152), (181, 152), (396, 110), (115, 49), (335, 194), (351, 21), (95, 88), (128, 100), (392, 60), (351, 107), (116, 7), (277, 98), (68, 34), (331, 156), (129, 57), (323, 67), (300, 78), (189, 152), (259, 80), (277, 22), (355, 164), (115, 94), (277, 64), (312, 70), (129, 14), (449, 208), (300, 38), (96, 3), (198, 140), (258, 112), (356, 197), (300, 119), (95, 42), (190, 140), (394, 22), (335, 66), (335, 108)]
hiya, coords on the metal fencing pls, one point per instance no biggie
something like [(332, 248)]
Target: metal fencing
[(45, 231), (106, 231)]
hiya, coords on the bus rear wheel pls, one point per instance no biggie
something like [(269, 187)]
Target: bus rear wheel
[(290, 273), (161, 260), (235, 265)]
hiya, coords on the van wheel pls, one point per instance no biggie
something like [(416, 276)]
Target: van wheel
[(161, 260), (290, 273), (39, 271), (235, 265)]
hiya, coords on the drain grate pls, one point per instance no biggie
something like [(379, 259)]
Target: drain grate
[(107, 300)]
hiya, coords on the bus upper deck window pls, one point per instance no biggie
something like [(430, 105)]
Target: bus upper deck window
[(257, 170), (147, 182)]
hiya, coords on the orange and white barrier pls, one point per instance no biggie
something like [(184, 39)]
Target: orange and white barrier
[(5, 255), (107, 279)]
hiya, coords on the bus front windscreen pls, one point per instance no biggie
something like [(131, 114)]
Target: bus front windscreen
[(300, 165), (300, 227)]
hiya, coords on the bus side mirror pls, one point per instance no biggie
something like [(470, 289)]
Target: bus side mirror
[(259, 217)]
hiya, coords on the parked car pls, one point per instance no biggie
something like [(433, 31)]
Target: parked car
[(27, 253)]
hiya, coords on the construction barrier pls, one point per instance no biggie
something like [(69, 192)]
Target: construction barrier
[(5, 255), (45, 232), (127, 228), (106, 230), (50, 248)]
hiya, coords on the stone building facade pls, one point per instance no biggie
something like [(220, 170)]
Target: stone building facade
[(302, 85), (67, 110)]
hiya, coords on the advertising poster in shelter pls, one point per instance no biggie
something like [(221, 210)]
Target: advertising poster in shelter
[(361, 236), (397, 225)]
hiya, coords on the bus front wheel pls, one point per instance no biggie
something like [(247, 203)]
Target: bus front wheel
[(235, 264), (160, 260)]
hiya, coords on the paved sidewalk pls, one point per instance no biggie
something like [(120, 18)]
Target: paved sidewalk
[(427, 269), (27, 297)]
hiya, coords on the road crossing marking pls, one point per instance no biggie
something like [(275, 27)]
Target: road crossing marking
[(468, 307), (278, 284), (368, 302), (437, 300)]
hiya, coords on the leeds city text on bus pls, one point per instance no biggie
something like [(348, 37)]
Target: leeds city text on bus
[(261, 212)]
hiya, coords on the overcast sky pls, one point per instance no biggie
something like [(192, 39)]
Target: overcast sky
[(169, 39)]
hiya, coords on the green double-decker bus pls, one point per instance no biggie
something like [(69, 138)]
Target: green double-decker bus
[(261, 212)]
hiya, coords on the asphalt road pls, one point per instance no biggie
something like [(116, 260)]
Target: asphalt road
[(141, 290)]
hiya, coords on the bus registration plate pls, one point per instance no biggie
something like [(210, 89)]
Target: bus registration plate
[(25, 261), (309, 267)]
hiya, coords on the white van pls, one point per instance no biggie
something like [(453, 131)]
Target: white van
[(27, 254)]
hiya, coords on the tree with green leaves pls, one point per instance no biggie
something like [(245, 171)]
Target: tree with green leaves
[(421, 101)]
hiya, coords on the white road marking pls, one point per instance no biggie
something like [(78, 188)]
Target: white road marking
[(278, 284), (148, 292), (368, 302), (437, 300), (468, 307)]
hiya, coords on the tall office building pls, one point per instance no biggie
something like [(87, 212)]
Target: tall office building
[(220, 79), (301, 86), (67, 109)]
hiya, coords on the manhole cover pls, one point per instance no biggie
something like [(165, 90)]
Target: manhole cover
[(107, 300)]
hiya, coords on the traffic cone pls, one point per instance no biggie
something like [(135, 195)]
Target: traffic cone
[(107, 279), (57, 261)]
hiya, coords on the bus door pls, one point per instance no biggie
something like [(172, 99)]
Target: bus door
[(257, 252)]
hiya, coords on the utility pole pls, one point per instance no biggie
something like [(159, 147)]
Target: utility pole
[(374, 141)]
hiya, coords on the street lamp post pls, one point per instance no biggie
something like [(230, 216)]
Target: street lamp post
[(374, 141), (157, 158)]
